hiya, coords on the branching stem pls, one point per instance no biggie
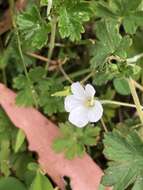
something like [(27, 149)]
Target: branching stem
[(65, 74), (137, 85)]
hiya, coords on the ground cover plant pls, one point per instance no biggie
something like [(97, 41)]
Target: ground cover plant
[(80, 63)]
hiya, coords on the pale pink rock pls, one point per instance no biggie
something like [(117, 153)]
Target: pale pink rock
[(40, 132)]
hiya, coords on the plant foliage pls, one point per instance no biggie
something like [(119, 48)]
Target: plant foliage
[(125, 167), (73, 140), (53, 43)]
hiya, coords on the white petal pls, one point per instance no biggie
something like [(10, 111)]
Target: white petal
[(89, 90), (78, 90), (95, 113), (71, 102), (79, 116)]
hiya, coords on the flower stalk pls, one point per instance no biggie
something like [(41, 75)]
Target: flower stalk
[(119, 103)]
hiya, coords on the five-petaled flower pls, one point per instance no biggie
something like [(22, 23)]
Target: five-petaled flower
[(82, 106)]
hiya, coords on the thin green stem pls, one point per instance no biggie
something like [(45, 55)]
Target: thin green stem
[(65, 74), (103, 125), (76, 74), (3, 69), (82, 42), (52, 42), (11, 2), (4, 76), (137, 126), (87, 77), (119, 103)]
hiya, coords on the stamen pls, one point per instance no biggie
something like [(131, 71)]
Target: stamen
[(90, 102)]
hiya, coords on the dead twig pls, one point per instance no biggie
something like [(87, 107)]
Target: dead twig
[(55, 165)]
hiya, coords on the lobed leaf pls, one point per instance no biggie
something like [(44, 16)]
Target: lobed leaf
[(71, 20), (126, 155), (33, 28), (73, 140)]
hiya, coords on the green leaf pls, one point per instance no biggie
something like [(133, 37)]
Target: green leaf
[(125, 43), (127, 5), (6, 133), (126, 155), (71, 19), (5, 123), (19, 140), (33, 166), (49, 103), (102, 78), (121, 86), (60, 144), (63, 93), (44, 2), (90, 135), (109, 43), (124, 11), (36, 74), (103, 10), (42, 89), (19, 163), (73, 140), (10, 183), (33, 28), (41, 182), (20, 82), (4, 156), (131, 22), (138, 184), (75, 150), (101, 187), (25, 97)]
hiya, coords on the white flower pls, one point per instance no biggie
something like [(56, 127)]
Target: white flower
[(82, 106)]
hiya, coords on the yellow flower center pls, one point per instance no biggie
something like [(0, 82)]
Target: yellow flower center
[(90, 102)]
